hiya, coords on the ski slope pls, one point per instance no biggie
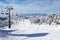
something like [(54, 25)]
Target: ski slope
[(24, 30)]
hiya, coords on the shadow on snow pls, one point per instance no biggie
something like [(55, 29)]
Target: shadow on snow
[(6, 33), (31, 35)]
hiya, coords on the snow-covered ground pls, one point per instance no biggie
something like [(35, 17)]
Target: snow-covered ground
[(24, 30)]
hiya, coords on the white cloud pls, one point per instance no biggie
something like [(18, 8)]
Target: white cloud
[(33, 7), (24, 8)]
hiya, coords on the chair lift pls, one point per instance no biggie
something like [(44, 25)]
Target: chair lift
[(6, 12), (2, 12)]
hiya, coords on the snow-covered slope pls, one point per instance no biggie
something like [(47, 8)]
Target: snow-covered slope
[(24, 30)]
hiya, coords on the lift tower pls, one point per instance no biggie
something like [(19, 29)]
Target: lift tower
[(9, 8)]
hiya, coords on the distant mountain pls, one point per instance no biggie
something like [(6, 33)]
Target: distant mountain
[(33, 14)]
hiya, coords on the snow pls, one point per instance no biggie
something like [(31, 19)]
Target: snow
[(24, 30)]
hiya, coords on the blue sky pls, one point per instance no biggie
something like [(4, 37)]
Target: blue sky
[(32, 6)]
